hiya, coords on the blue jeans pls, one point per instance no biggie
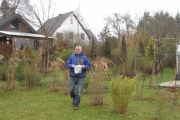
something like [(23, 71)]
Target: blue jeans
[(72, 85)]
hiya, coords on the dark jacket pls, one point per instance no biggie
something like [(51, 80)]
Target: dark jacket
[(78, 60)]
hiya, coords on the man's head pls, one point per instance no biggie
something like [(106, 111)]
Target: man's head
[(78, 49)]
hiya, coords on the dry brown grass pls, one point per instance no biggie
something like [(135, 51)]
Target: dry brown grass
[(10, 72), (98, 74), (54, 67)]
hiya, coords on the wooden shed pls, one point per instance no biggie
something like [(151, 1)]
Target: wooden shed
[(16, 33)]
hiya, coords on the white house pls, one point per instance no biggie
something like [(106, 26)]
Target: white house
[(68, 27)]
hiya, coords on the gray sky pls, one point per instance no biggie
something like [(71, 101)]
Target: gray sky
[(94, 11)]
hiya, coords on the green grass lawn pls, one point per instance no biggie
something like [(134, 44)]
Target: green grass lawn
[(41, 104)]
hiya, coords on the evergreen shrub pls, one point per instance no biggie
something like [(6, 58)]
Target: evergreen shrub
[(65, 54), (20, 75)]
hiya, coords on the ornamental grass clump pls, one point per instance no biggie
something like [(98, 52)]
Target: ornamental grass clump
[(54, 68), (30, 77), (10, 74), (98, 75), (121, 89)]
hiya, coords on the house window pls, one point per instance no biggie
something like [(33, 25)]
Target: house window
[(70, 35), (82, 36), (36, 44), (71, 21), (14, 25)]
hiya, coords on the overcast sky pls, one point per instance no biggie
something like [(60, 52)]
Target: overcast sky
[(94, 11)]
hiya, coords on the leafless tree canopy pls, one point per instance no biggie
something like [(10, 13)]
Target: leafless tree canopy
[(120, 24), (81, 18), (11, 7)]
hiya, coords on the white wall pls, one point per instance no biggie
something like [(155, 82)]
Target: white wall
[(66, 26)]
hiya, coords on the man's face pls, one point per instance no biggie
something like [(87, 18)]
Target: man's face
[(78, 49)]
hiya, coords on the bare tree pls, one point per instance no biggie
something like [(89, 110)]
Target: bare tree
[(81, 18), (11, 7), (115, 22), (104, 33), (5, 8), (129, 24), (38, 16)]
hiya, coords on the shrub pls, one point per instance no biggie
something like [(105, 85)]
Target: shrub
[(65, 54), (148, 67), (20, 72), (115, 56), (121, 92), (3, 69), (127, 65), (32, 77), (55, 85)]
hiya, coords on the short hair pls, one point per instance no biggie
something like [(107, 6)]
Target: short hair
[(78, 46)]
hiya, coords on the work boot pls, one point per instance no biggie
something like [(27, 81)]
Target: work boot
[(75, 107)]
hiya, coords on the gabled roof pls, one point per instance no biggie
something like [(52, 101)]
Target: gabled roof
[(92, 36), (5, 21), (51, 25)]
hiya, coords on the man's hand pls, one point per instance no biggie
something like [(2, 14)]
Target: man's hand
[(73, 65), (83, 66)]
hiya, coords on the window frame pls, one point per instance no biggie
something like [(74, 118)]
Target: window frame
[(14, 25), (82, 36), (71, 21)]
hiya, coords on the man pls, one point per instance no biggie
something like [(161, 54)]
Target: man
[(77, 59)]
